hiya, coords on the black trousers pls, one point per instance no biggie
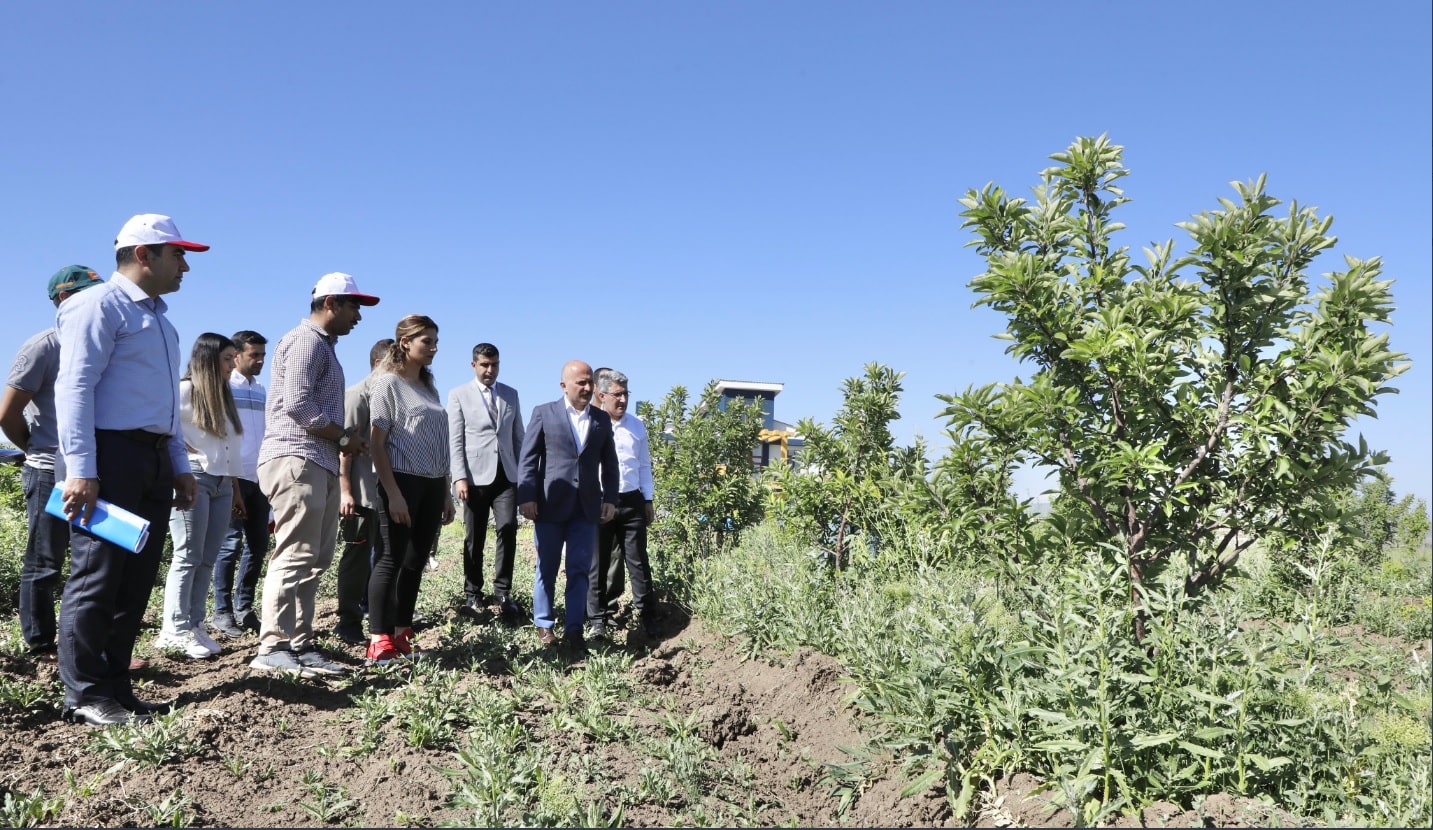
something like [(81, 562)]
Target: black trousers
[(622, 541), (398, 570), (109, 587), (240, 561), (500, 498), (362, 536)]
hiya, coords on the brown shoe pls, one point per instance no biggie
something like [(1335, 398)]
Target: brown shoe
[(137, 663), (545, 636)]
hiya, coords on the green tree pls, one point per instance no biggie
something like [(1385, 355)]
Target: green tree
[(1376, 520), (846, 471), (1187, 417), (706, 490)]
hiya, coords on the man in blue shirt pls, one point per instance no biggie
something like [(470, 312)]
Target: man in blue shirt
[(117, 407)]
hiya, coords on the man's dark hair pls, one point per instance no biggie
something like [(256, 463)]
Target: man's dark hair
[(379, 349), (484, 350), (125, 256), (244, 339)]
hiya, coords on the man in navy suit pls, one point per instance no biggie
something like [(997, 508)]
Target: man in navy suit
[(567, 486)]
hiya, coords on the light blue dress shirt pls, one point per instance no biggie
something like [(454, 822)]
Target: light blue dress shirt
[(119, 369)]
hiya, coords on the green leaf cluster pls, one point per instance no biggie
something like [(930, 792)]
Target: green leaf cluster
[(1190, 404), (706, 491)]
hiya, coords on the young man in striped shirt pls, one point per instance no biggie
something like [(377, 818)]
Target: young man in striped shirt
[(234, 603)]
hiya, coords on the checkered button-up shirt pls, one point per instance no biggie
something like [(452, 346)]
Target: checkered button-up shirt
[(305, 392)]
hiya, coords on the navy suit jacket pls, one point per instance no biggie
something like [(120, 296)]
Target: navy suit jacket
[(562, 481)]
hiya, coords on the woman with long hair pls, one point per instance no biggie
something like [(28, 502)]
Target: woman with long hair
[(210, 424), (409, 444)]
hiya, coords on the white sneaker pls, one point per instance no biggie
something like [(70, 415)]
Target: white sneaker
[(202, 637), (183, 642)]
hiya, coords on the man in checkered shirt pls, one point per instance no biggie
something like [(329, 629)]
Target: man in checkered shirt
[(298, 472)]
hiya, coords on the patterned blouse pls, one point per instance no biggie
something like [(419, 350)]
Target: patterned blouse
[(416, 422)]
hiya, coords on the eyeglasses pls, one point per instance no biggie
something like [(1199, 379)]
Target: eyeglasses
[(616, 394)]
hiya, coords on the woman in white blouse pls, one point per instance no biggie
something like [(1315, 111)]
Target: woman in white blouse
[(409, 444), (210, 423)]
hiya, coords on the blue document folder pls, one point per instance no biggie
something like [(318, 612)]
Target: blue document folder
[(110, 522)]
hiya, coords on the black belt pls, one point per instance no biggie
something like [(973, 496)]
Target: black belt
[(142, 436), (630, 496)]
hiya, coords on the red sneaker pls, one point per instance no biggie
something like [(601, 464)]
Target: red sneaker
[(382, 651), (406, 643)]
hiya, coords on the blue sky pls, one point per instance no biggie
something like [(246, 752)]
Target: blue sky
[(690, 191)]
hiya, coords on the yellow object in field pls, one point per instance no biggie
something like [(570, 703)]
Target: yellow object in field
[(775, 436)]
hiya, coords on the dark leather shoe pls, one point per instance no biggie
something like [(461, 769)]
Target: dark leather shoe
[(224, 624), (597, 631), (143, 709), (510, 611), (546, 637), (250, 622), (350, 633), (575, 644), (648, 622), (102, 713), (472, 608)]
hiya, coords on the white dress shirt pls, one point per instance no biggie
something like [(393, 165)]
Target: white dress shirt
[(580, 421), (634, 457)]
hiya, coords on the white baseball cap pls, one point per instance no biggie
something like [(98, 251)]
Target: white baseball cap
[(339, 284), (153, 229)]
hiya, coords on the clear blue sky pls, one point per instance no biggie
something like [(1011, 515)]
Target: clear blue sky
[(689, 191)]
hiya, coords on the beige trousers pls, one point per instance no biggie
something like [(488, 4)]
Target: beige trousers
[(304, 498)]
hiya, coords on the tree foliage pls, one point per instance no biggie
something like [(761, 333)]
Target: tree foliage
[(1190, 404), (706, 493), (846, 470)]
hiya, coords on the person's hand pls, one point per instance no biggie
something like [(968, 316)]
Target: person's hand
[(460, 489), (528, 509), (649, 513), (609, 512), (80, 495), (398, 510), (186, 491), (357, 445), (448, 511), (347, 505), (239, 511)]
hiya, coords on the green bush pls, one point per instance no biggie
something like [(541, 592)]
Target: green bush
[(13, 532), (971, 675)]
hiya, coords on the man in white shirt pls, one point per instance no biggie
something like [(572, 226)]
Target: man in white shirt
[(624, 539), (234, 603)]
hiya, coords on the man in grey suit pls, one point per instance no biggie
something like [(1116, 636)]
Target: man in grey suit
[(485, 436), (567, 486)]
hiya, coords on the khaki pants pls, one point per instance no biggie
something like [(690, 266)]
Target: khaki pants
[(304, 498)]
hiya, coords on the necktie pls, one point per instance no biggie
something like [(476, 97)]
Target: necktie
[(488, 402)]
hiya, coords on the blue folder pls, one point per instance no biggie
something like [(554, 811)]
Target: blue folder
[(110, 522)]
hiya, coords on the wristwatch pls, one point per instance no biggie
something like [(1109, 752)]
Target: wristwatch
[(343, 441)]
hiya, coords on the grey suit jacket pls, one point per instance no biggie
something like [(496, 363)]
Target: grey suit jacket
[(475, 442)]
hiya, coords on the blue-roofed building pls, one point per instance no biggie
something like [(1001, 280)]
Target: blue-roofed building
[(779, 439)]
